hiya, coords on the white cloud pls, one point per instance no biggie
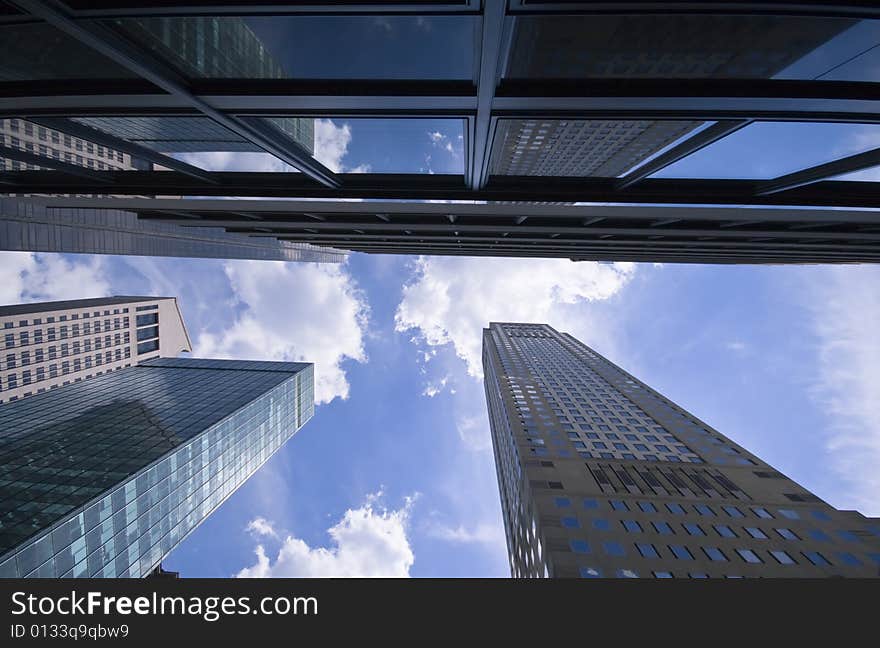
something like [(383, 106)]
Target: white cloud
[(331, 146), (845, 305), (261, 527), (368, 542), (235, 161), (736, 345), (483, 533), (443, 141), (474, 432), (304, 312), (29, 277), (451, 299), (435, 387)]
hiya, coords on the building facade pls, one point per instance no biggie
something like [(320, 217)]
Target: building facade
[(104, 478), (47, 345), (28, 226), (601, 476)]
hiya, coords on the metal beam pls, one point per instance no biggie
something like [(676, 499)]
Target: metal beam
[(831, 169), (51, 163), (584, 214), (599, 7), (492, 35), (110, 44), (340, 226), (691, 145), (440, 187), (706, 99), (117, 143)]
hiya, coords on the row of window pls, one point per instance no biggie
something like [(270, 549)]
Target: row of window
[(24, 337), (78, 364), (706, 510), (63, 318)]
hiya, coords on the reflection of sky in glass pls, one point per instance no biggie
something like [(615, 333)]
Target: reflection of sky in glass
[(361, 146), (370, 47), (853, 55), (771, 149)]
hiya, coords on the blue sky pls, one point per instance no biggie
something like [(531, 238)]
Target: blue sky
[(394, 475)]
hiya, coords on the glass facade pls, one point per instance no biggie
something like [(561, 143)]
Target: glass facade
[(104, 478), (32, 227), (600, 475)]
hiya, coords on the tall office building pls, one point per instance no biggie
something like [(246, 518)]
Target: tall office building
[(29, 226), (50, 344), (105, 477), (672, 46), (601, 476)]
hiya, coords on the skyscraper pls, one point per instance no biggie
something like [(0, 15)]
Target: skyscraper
[(28, 225), (601, 476), (105, 477), (50, 344)]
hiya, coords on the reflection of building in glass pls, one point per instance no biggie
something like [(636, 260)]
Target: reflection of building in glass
[(129, 463), (53, 144), (632, 46), (601, 476), (575, 148), (217, 47), (29, 226), (50, 344)]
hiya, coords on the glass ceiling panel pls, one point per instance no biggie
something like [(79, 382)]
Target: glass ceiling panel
[(36, 51), (692, 46), (556, 147), (386, 145), (771, 149), (311, 47), (171, 134)]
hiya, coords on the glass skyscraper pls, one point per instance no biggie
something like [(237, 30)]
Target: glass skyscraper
[(601, 476), (103, 478), (27, 225)]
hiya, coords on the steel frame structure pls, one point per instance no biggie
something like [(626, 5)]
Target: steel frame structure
[(158, 90)]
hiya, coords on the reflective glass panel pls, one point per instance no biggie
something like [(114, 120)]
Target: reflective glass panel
[(768, 150), (693, 46), (310, 47)]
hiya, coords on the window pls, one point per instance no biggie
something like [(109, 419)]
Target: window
[(733, 511), (562, 502), (714, 553), (627, 573), (821, 515), (662, 528), (791, 515), (821, 536), (757, 533), (619, 505), (724, 531), (591, 504), (849, 536), (647, 550), (694, 529), (816, 558), (848, 559), (703, 509), (647, 507), (681, 552), (748, 555), (579, 546), (632, 526), (614, 548), (783, 558), (590, 572), (662, 574), (788, 534), (698, 575), (571, 523), (601, 525), (761, 513), (677, 509)]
